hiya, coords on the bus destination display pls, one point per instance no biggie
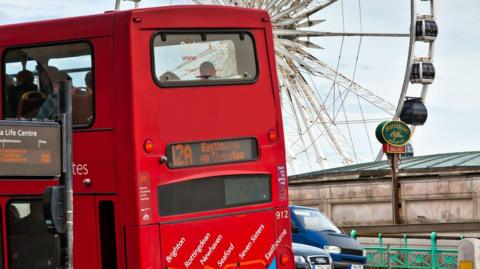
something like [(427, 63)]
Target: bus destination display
[(211, 152), (30, 149)]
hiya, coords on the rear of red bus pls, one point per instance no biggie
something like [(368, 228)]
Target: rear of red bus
[(209, 147)]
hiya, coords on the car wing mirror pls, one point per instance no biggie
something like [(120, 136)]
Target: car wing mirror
[(295, 228)]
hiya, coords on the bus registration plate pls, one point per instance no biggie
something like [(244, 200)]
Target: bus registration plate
[(211, 152)]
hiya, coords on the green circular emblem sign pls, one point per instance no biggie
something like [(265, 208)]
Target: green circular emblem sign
[(395, 133)]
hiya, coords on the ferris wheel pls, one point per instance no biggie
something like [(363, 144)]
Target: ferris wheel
[(329, 117)]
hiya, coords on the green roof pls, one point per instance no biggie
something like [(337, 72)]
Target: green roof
[(466, 160)]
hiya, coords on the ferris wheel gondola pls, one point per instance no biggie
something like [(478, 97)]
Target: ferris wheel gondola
[(423, 72), (426, 29)]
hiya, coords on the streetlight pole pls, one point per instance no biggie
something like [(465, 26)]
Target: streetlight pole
[(65, 110), (394, 160), (394, 135)]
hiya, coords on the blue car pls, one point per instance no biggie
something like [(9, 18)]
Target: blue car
[(311, 227)]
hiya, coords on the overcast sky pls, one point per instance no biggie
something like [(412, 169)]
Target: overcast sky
[(453, 98)]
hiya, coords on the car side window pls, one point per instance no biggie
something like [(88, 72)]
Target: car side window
[(32, 76)]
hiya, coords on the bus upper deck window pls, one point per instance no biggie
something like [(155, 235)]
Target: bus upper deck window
[(32, 76), (182, 59)]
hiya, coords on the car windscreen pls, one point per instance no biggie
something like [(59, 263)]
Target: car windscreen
[(203, 58), (314, 220)]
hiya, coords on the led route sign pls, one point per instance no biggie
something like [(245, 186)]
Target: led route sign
[(30, 149), (211, 152)]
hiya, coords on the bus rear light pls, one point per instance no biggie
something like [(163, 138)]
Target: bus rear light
[(284, 259), (272, 135), (148, 146)]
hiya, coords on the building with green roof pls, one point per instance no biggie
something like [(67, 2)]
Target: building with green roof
[(437, 193)]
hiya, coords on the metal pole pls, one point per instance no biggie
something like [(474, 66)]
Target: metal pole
[(405, 250), (388, 257), (117, 5), (395, 190), (434, 259), (65, 110)]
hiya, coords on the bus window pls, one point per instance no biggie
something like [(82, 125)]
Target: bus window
[(203, 58), (32, 76), (213, 193), (29, 243)]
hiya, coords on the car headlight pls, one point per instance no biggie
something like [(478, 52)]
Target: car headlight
[(299, 259), (332, 249)]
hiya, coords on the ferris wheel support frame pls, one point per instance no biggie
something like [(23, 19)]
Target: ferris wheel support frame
[(335, 137), (321, 159), (291, 159)]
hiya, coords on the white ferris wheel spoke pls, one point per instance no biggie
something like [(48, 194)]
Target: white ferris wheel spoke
[(350, 85), (312, 9), (297, 105), (341, 145), (303, 33), (315, 66)]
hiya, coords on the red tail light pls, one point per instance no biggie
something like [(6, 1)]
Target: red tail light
[(148, 146), (272, 135), (284, 259)]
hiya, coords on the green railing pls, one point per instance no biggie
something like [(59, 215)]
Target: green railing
[(403, 256)]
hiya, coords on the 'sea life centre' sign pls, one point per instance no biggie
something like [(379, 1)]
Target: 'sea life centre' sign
[(30, 149), (394, 133)]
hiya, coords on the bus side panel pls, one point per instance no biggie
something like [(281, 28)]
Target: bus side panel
[(93, 148), (96, 165), (142, 243), (222, 242), (282, 227), (123, 120), (85, 233)]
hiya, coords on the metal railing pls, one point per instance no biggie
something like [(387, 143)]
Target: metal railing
[(402, 256)]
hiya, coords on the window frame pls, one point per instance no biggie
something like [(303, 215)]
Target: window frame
[(3, 64), (202, 83)]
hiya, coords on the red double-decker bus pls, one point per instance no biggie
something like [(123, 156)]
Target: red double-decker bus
[(178, 143)]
